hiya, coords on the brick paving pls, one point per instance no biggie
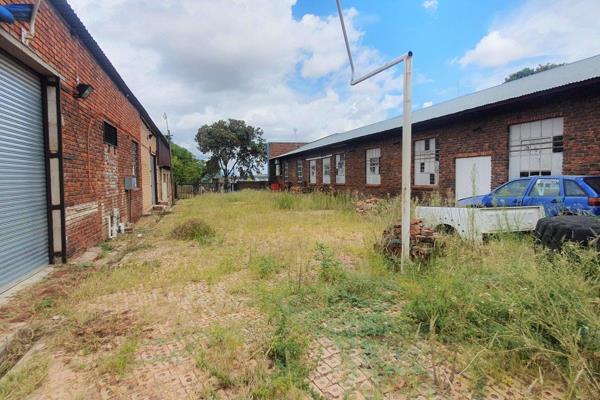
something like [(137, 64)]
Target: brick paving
[(340, 374), (164, 369)]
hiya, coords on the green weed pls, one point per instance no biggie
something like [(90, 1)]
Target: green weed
[(331, 270), (120, 362), (264, 267), (194, 229)]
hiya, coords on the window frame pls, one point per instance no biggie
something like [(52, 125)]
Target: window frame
[(312, 167), (373, 178), (328, 174), (340, 179), (277, 168), (577, 185), (109, 131), (299, 171), (527, 180), (426, 157), (135, 158), (533, 193)]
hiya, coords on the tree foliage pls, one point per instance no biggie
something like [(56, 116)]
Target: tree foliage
[(234, 147), (187, 169), (530, 71)]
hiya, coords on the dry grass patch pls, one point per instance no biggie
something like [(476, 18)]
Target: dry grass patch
[(237, 364), (99, 331), (22, 341), (23, 380)]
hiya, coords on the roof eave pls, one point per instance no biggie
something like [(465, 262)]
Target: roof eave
[(79, 29), (454, 116)]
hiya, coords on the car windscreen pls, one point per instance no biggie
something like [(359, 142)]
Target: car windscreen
[(594, 183)]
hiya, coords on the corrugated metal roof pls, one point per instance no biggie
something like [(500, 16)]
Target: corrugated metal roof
[(578, 71)]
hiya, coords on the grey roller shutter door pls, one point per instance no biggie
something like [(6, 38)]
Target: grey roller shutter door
[(23, 206)]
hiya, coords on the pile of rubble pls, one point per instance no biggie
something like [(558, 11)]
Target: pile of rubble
[(422, 240), (368, 205)]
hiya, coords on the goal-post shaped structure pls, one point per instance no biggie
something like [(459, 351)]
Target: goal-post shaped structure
[(406, 129)]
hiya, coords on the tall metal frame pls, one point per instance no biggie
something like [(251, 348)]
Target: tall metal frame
[(406, 130)]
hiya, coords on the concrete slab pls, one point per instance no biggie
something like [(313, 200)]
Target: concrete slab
[(28, 282), (89, 256)]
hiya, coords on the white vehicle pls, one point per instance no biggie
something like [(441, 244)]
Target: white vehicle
[(473, 223)]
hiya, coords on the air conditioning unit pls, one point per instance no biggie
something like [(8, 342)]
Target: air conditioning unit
[(130, 183)]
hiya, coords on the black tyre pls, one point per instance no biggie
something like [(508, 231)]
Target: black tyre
[(553, 232)]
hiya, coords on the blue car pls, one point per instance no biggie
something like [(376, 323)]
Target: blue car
[(558, 194)]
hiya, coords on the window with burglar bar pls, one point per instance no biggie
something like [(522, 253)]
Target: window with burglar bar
[(110, 134), (299, 171), (427, 157), (340, 165), (134, 158), (536, 148), (373, 158)]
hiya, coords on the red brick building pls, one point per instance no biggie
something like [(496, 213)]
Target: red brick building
[(72, 137), (547, 123)]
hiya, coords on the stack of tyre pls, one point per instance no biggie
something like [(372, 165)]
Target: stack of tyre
[(582, 229)]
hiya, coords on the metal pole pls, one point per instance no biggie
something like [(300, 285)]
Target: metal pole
[(406, 160), (406, 131)]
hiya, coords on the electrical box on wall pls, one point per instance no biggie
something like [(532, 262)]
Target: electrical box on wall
[(130, 183)]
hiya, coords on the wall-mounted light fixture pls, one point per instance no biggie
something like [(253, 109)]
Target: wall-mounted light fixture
[(83, 90)]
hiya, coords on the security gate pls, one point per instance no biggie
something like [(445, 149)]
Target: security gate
[(23, 204)]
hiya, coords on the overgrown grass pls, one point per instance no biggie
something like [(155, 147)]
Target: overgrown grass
[(308, 263), (22, 381), (313, 201), (526, 309)]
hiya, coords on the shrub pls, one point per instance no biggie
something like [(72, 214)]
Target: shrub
[(265, 266), (194, 229), (331, 270)]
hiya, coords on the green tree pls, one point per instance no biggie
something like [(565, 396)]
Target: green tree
[(530, 71), (234, 147), (187, 169)]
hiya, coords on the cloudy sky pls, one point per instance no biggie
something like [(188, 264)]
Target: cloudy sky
[(281, 64)]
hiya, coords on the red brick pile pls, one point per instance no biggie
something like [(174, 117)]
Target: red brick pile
[(422, 240), (368, 205)]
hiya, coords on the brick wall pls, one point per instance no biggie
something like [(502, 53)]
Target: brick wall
[(93, 171), (481, 134), (279, 148)]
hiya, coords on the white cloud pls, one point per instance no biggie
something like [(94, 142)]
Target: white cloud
[(200, 61), (427, 104), (541, 31), (431, 5)]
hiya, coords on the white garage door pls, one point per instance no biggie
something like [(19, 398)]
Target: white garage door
[(23, 207), (473, 176)]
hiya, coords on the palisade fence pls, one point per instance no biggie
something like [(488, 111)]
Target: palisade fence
[(190, 191)]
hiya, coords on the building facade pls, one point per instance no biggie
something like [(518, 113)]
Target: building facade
[(74, 143), (545, 124)]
